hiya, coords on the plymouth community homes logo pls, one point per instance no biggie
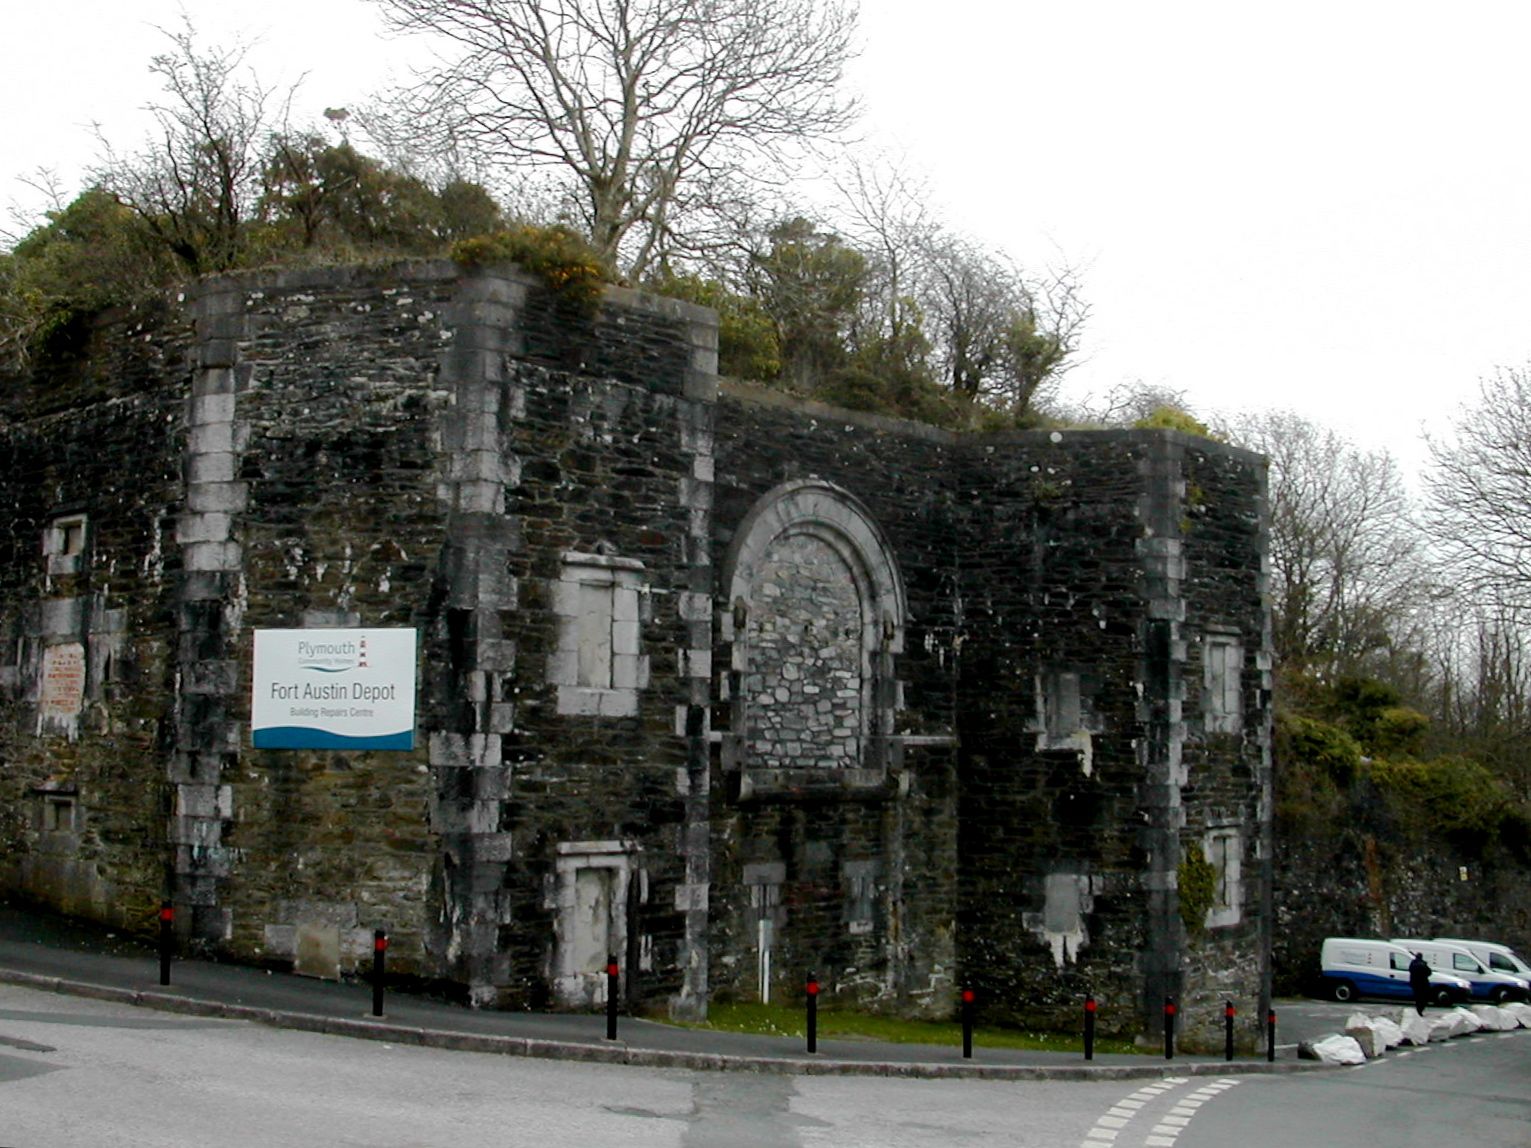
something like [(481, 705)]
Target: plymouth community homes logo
[(333, 689), (333, 657)]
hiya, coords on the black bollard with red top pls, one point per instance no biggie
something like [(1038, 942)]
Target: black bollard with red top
[(612, 989), (1270, 1035), (812, 993), (1169, 1028), (1089, 1028), (967, 1023), (379, 957), (166, 940), (1228, 1015)]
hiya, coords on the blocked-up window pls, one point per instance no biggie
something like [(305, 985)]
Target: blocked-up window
[(595, 883), (598, 667), (1061, 709), (1224, 667), (64, 544), (58, 813), (1224, 849), (860, 895)]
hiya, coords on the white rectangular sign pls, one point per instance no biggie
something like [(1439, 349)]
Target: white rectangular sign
[(333, 689)]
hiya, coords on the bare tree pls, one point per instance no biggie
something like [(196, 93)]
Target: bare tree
[(1479, 487), (887, 216), (196, 184), (999, 337), (1346, 565), (645, 105)]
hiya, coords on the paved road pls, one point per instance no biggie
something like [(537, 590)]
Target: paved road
[(1470, 1091), (76, 1071)]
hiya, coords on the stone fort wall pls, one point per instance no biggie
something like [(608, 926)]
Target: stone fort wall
[(734, 686)]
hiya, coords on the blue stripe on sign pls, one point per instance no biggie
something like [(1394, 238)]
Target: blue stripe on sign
[(304, 737)]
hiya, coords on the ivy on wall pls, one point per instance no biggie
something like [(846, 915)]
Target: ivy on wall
[(1198, 885)]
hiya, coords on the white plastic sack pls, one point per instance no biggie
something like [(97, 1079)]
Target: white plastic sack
[(1388, 1032), (1416, 1029), (1453, 1022), (1520, 1011), (1495, 1019), (1467, 1017), (1332, 1050)]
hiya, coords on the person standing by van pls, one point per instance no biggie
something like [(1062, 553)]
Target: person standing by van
[(1419, 981)]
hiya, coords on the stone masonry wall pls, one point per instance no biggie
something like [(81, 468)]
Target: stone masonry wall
[(732, 687), (853, 869), (87, 637), (1077, 590), (311, 502), (1058, 856), (1226, 794)]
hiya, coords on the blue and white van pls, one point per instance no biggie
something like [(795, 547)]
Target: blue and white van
[(1496, 957), (1486, 984), (1355, 967)]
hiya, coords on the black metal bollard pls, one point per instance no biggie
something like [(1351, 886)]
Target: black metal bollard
[(612, 990), (967, 1024), (812, 990), (1270, 1035), (166, 940), (1228, 1015), (1169, 1028), (379, 957), (1089, 1028)]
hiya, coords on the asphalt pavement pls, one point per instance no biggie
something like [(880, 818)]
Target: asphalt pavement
[(43, 951)]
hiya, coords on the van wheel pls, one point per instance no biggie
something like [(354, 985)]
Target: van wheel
[(1344, 991), (1443, 998), (1501, 994)]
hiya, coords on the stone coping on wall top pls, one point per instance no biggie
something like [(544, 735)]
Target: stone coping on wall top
[(757, 395), (427, 271)]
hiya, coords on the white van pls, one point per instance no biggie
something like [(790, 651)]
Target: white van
[(1498, 958), (1449, 958), (1357, 967)]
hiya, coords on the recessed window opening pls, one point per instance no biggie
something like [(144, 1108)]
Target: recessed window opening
[(1224, 849), (598, 666), (1223, 669), (64, 543)]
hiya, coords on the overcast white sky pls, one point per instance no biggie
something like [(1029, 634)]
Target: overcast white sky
[(1320, 206)]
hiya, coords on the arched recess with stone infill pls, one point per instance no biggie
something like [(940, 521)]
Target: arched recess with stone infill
[(814, 622)]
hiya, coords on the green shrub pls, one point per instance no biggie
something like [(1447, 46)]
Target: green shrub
[(562, 258), (1173, 418), (1454, 796), (1399, 731), (747, 343), (1319, 744), (1198, 886)]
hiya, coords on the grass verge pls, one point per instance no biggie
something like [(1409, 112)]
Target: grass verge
[(843, 1024)]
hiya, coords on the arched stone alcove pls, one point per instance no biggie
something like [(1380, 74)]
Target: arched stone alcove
[(815, 621)]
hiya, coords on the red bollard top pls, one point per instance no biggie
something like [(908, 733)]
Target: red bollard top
[(1089, 1004), (1229, 1010), (167, 912), (968, 996), (813, 988), (379, 941), (1169, 1008), (611, 969), (1270, 1017)]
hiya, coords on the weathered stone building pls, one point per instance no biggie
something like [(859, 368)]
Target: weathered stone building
[(733, 686)]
